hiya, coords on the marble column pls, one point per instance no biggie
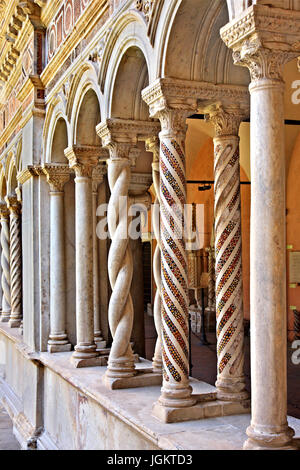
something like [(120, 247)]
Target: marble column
[(152, 145), (5, 263), (57, 176), (83, 160), (176, 391), (14, 207), (265, 60), (97, 179), (228, 252)]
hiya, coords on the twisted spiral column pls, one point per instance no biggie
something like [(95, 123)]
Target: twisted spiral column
[(120, 269), (152, 145), (211, 304), (176, 391), (5, 263), (228, 252), (14, 207)]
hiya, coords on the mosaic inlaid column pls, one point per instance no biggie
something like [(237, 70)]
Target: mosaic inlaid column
[(269, 427), (152, 145), (83, 160), (57, 177), (5, 263), (176, 390), (228, 253), (14, 207), (97, 179)]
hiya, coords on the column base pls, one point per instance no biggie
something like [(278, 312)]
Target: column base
[(270, 441), (14, 323), (99, 361), (5, 317), (100, 344), (203, 409), (57, 348), (142, 378), (231, 389)]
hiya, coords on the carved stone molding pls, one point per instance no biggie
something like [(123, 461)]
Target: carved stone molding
[(121, 135), (140, 183), (262, 62), (171, 93), (29, 172), (151, 10), (83, 159), (280, 28), (57, 176), (226, 121)]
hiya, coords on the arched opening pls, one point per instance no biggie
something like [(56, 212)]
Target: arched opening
[(132, 77), (88, 119), (59, 142)]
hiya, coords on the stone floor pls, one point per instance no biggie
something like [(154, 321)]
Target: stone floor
[(205, 364), (7, 439)]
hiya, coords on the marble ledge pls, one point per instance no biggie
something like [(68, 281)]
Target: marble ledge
[(226, 432)]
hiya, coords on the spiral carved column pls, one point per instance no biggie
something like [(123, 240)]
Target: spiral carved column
[(5, 263), (228, 252), (176, 390), (83, 160), (57, 177), (120, 268), (152, 145), (14, 207)]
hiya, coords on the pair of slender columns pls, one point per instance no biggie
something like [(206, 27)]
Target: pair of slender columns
[(176, 390), (11, 261)]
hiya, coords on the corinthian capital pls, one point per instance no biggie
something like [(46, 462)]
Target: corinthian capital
[(226, 120), (57, 176), (261, 61), (83, 159)]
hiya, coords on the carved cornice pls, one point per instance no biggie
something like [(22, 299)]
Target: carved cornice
[(276, 26), (168, 93), (120, 135), (83, 159), (57, 176), (226, 121), (29, 172)]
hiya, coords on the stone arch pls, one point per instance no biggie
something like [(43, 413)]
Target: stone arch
[(84, 108), (59, 141), (206, 58), (130, 32), (130, 79), (56, 115), (3, 184)]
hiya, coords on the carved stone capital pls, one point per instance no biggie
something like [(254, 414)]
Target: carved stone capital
[(119, 136), (97, 176), (263, 39), (263, 63), (226, 120), (14, 206), (83, 159), (140, 183), (152, 145), (4, 211), (57, 176)]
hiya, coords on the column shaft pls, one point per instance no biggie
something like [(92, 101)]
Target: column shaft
[(5, 264)]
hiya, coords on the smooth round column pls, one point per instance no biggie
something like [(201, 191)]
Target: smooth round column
[(86, 347), (5, 263), (58, 337), (268, 268)]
